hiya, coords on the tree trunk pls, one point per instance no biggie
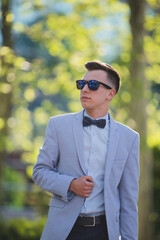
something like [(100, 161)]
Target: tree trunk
[(6, 25), (6, 88), (138, 114)]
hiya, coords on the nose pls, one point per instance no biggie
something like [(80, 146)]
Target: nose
[(85, 89)]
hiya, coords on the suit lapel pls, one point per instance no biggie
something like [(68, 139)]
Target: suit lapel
[(112, 146), (78, 138)]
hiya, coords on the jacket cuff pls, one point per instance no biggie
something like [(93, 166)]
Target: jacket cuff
[(62, 187)]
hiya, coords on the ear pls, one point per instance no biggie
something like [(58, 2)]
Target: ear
[(111, 94)]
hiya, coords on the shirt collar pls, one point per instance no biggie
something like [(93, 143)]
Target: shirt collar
[(105, 117)]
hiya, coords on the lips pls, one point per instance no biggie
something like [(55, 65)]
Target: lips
[(85, 98)]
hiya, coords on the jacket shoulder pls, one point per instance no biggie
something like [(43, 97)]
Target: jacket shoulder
[(63, 116), (125, 129)]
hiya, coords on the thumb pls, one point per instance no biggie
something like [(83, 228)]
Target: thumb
[(89, 179)]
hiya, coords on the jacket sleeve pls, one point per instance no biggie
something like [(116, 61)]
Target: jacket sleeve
[(45, 173), (128, 190)]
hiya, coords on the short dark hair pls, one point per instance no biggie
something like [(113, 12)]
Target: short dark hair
[(112, 72)]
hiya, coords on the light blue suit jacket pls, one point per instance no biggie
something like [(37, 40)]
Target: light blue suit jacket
[(61, 159)]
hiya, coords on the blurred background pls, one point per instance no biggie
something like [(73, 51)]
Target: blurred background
[(44, 45)]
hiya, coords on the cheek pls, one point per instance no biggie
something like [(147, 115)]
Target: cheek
[(105, 94), (101, 96)]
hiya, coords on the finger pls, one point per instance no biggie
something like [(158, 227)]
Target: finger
[(88, 188), (86, 195), (89, 184), (88, 191)]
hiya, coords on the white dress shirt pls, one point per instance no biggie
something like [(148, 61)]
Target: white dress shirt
[(95, 150)]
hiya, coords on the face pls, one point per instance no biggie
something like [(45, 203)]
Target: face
[(96, 103)]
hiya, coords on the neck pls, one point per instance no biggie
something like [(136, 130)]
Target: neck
[(96, 114)]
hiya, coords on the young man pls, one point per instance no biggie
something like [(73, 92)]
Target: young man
[(89, 162)]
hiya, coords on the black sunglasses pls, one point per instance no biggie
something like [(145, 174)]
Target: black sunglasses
[(92, 84)]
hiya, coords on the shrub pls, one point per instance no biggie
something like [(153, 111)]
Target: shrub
[(21, 229)]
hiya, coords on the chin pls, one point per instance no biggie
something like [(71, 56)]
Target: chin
[(84, 105)]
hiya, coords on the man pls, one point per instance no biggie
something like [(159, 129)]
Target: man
[(89, 162)]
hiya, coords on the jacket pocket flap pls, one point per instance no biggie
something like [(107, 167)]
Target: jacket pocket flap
[(119, 161)]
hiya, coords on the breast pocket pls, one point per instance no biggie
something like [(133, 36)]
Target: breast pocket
[(56, 202)]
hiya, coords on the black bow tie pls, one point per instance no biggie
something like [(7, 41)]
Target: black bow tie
[(101, 123)]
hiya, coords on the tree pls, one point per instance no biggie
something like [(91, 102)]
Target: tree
[(39, 76), (138, 113), (35, 86), (5, 83)]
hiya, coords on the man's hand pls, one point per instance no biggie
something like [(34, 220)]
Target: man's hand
[(82, 186)]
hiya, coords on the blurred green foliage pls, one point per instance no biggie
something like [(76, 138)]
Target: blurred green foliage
[(14, 183), (21, 229), (42, 81), (156, 191), (40, 71)]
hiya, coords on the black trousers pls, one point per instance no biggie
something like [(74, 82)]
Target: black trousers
[(98, 232)]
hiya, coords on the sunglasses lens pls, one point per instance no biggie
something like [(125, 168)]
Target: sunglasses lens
[(93, 85), (80, 84)]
